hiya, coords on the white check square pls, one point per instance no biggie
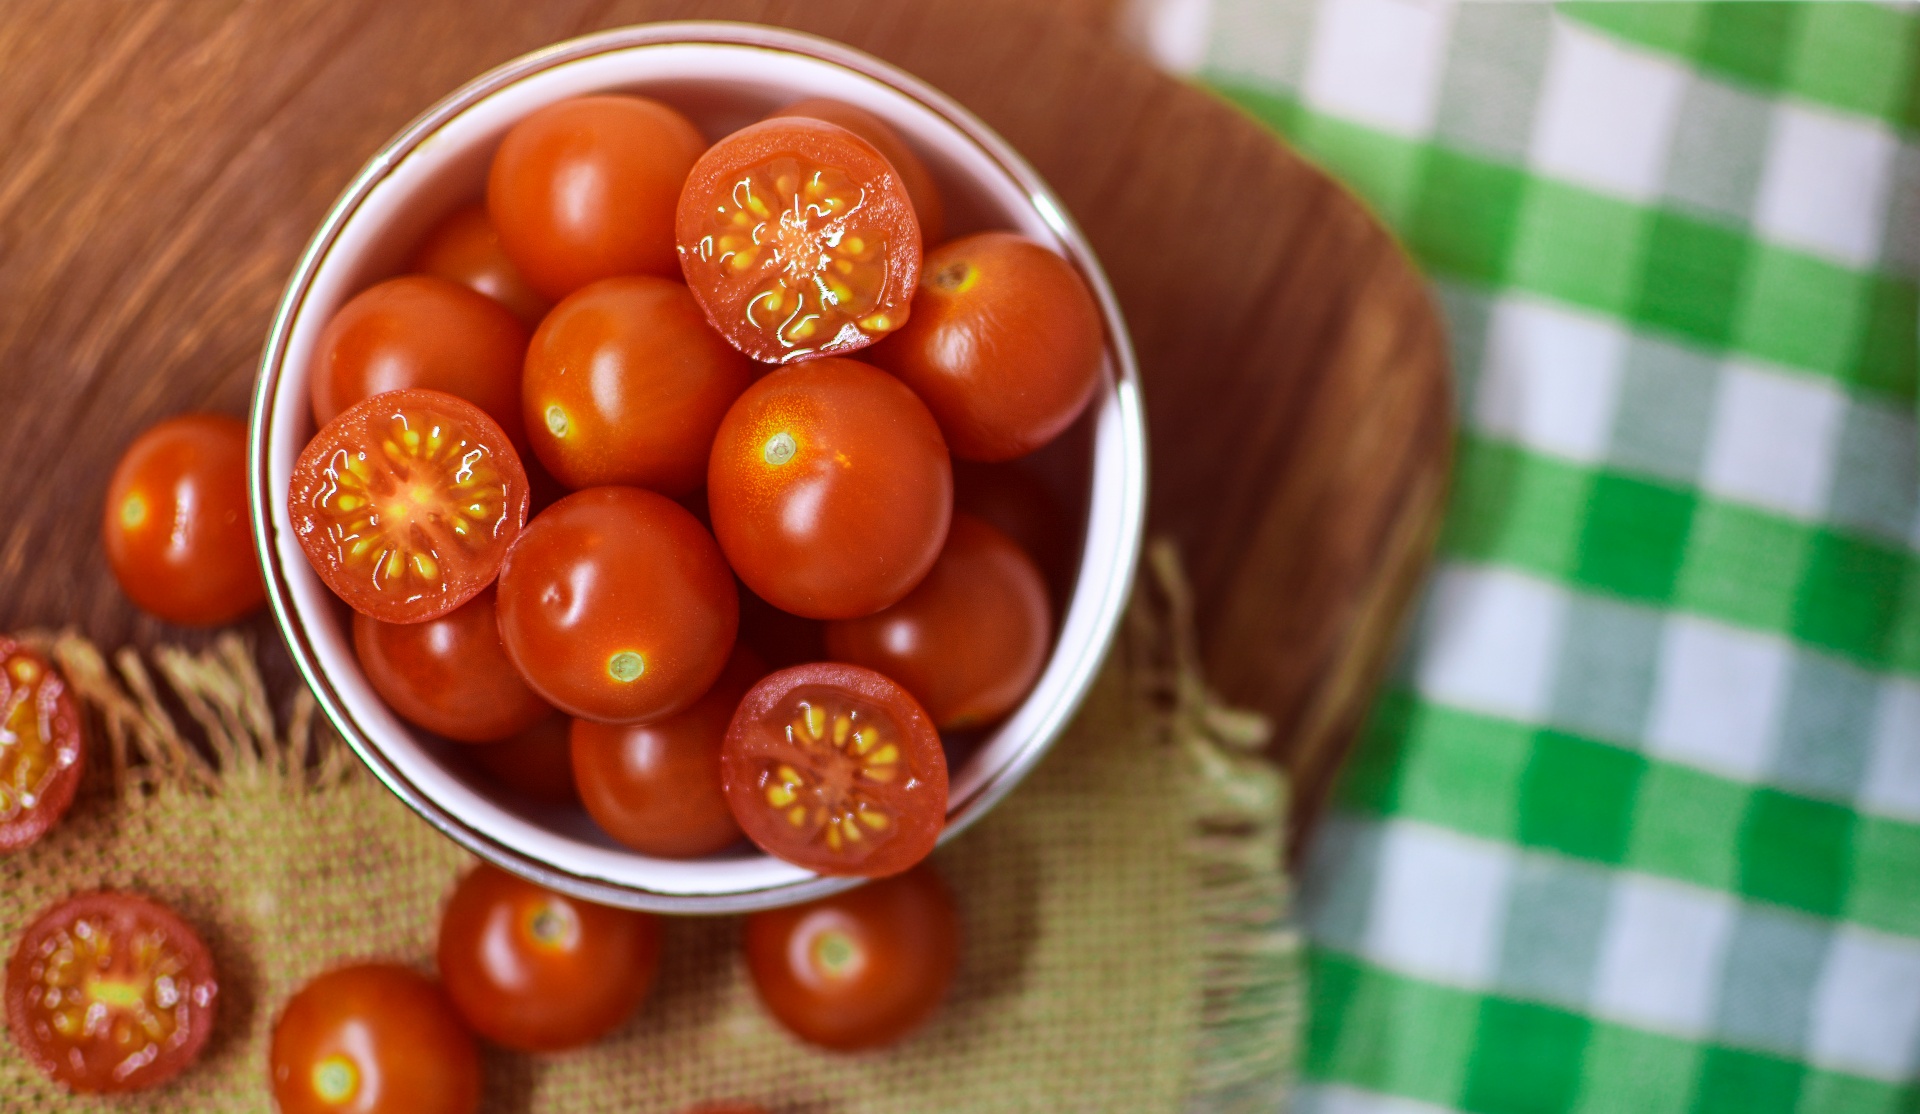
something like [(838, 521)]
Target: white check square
[(1607, 114), (1866, 1010), (1490, 641), (1717, 692), (1773, 439), (1550, 378), (1335, 1098), (1439, 901), (1379, 62), (1826, 184), (1661, 954)]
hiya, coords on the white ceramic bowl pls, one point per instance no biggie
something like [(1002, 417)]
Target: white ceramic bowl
[(723, 76)]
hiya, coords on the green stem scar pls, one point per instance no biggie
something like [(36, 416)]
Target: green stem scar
[(626, 666), (780, 448), (836, 953), (335, 1079), (557, 420)]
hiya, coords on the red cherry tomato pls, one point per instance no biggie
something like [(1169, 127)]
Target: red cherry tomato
[(406, 504), (42, 750), (927, 206), (1015, 501), (422, 331), (836, 769), (969, 642), (585, 189), (830, 489), (110, 992), (656, 787), (537, 763), (539, 971), (176, 526), (781, 638), (625, 384), (465, 248), (373, 1039), (616, 606), (1004, 345), (449, 675), (799, 239), (858, 969)]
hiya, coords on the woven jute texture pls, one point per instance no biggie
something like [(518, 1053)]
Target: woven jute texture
[(1126, 941)]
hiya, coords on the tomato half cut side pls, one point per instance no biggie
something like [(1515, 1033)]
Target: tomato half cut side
[(836, 769), (111, 992), (799, 239), (927, 205), (42, 748), (407, 502)]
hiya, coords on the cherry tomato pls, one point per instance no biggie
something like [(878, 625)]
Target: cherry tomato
[(373, 1039), (781, 638), (969, 642), (406, 504), (42, 746), (110, 992), (422, 331), (537, 763), (799, 239), (858, 969), (625, 384), (927, 206), (465, 248), (830, 489), (176, 526), (1004, 345), (585, 189), (449, 675), (539, 971), (1009, 497), (656, 787), (836, 769), (616, 606)]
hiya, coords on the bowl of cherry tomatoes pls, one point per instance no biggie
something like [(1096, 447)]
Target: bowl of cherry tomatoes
[(698, 466)]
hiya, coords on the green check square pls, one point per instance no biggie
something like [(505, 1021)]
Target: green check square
[(1516, 508), (1687, 826), (1735, 1082), (1383, 169), (1635, 537), (1692, 279), (1807, 313), (1577, 797), (1883, 893), (1744, 566), (1630, 1071), (1383, 1033), (1749, 40), (1526, 1058), (1850, 595), (1796, 852), (1579, 246), (1463, 215), (1884, 355), (1855, 56)]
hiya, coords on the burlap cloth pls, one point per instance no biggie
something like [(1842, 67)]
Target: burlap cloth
[(1128, 947)]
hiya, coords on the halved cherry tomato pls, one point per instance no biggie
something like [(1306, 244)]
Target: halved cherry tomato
[(42, 746), (422, 331), (406, 504), (970, 640), (176, 526), (539, 971), (585, 189), (449, 675), (837, 769), (465, 248), (110, 992), (858, 969), (625, 384), (830, 489), (537, 763), (799, 239), (617, 606), (1004, 345), (927, 205), (375, 1038), (656, 787)]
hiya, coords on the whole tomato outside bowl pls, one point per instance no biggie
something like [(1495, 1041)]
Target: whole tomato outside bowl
[(723, 76)]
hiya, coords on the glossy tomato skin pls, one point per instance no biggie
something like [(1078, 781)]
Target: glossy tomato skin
[(45, 750), (539, 971), (799, 240), (830, 489), (111, 992), (837, 769), (617, 606), (406, 503), (465, 248), (422, 331), (374, 1038), (625, 384), (176, 525), (1004, 345), (970, 640), (536, 763), (925, 194), (859, 969), (1014, 500), (656, 787), (585, 189), (449, 675)]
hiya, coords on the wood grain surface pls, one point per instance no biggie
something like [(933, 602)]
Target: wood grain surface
[(163, 162)]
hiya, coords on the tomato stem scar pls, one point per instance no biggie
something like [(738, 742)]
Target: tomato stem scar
[(780, 448), (557, 420), (626, 666), (335, 1079)]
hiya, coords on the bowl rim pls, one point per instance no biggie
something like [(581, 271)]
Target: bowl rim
[(1110, 601)]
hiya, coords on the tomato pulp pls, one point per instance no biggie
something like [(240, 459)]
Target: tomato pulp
[(925, 195), (42, 746)]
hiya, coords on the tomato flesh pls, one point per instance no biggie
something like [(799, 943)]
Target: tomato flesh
[(42, 748), (927, 206), (375, 1038), (799, 239), (836, 769), (109, 992), (406, 503)]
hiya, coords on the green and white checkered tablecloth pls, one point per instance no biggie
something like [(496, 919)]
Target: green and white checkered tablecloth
[(1636, 829)]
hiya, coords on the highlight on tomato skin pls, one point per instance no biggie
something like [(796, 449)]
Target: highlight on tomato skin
[(449, 675), (465, 248), (373, 1038), (43, 748)]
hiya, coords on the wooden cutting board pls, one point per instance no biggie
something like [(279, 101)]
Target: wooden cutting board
[(163, 162)]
